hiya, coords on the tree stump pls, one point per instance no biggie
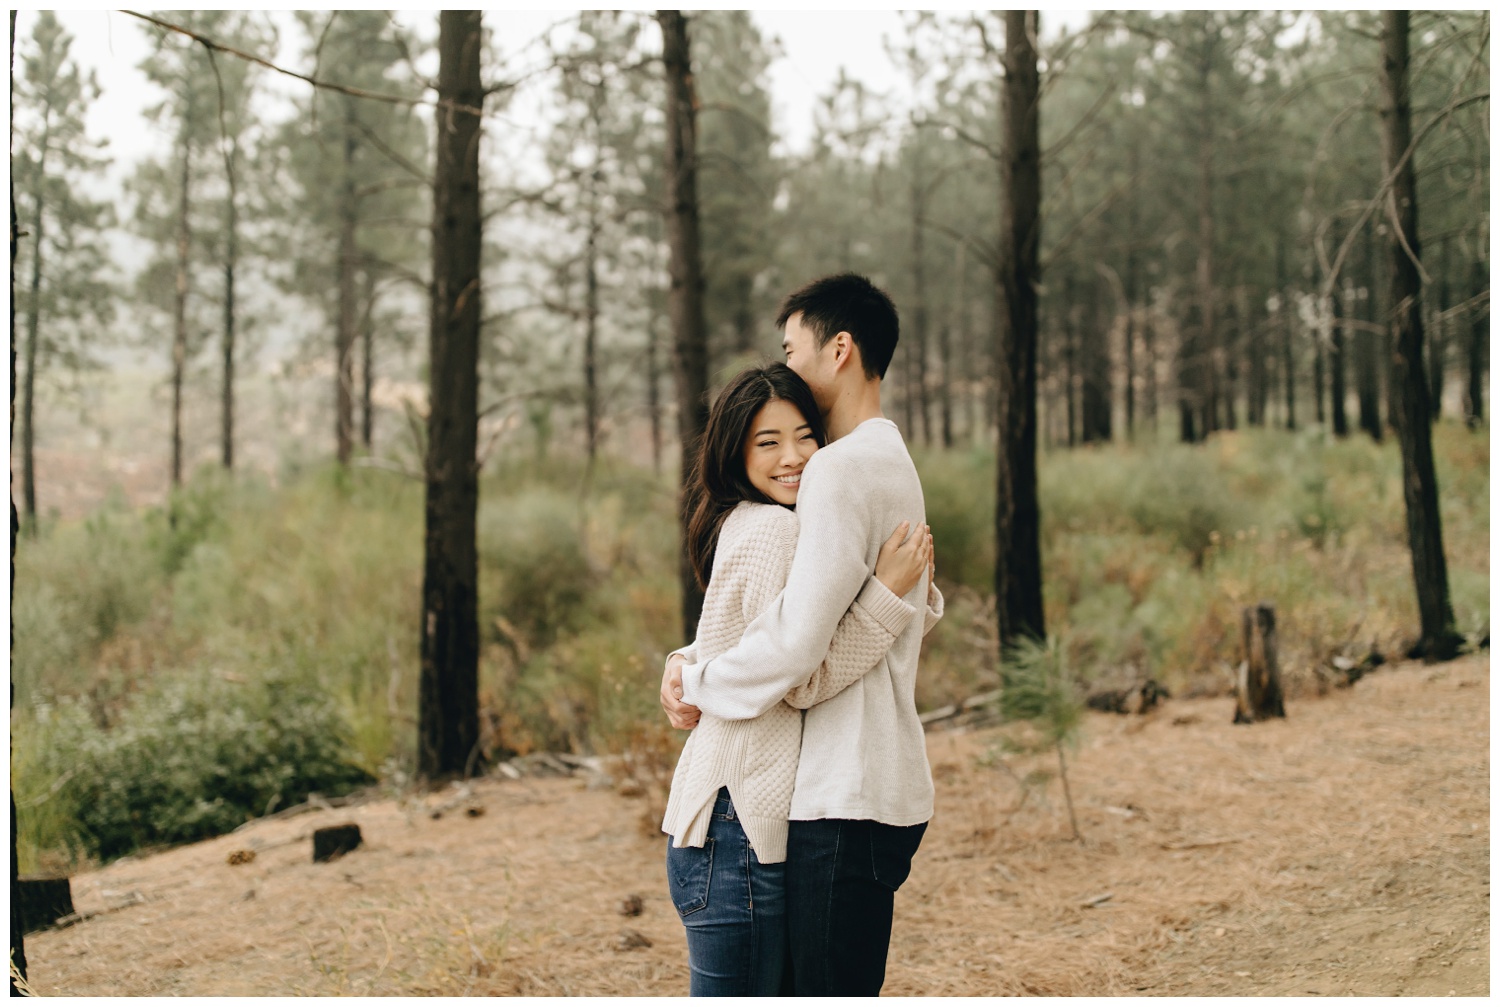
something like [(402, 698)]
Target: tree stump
[(334, 842), (43, 901), (1257, 694)]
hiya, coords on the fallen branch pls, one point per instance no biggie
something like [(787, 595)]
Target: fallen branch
[(1198, 844)]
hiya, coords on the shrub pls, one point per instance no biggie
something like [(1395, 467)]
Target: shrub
[(959, 490), (194, 757), (544, 578)]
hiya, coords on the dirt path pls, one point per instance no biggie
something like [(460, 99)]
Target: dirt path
[(1343, 851)]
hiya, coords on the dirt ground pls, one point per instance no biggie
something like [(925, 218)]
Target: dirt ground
[(1342, 851)]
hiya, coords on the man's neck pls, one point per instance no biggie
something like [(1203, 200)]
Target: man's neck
[(856, 403)]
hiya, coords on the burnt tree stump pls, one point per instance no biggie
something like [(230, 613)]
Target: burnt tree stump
[(1257, 694), (334, 842), (43, 901)]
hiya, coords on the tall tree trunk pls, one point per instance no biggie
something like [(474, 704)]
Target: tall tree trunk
[(919, 285), (231, 261), (1413, 416), (1148, 343), (653, 388), (1366, 367), (1337, 393), (348, 307), (17, 928), (1018, 559), (1319, 384), (1205, 365), (690, 344), (1288, 361), (448, 710), (179, 328), (1070, 360), (1097, 403), (591, 328), (33, 326), (1478, 347), (951, 326), (1437, 350), (367, 363)]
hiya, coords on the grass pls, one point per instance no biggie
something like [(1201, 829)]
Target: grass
[(1148, 553)]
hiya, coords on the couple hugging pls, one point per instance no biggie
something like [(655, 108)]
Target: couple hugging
[(803, 792)]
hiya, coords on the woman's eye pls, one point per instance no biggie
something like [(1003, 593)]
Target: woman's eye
[(766, 444)]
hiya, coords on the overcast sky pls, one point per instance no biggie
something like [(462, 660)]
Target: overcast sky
[(815, 44)]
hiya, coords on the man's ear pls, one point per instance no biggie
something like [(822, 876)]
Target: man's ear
[(843, 350)]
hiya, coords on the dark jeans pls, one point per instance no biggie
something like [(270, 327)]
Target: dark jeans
[(734, 910), (841, 881)]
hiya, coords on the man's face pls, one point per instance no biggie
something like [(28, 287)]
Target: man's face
[(811, 364)]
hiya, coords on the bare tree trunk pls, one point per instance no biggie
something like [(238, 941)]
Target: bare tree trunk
[(690, 346), (33, 325), (1204, 363), (1097, 404), (1018, 566), (17, 928), (1337, 393), (954, 324), (919, 284), (1437, 348), (1366, 368), (367, 363), (1319, 385), (348, 309), (1478, 346), (1413, 417), (591, 328), (179, 329), (448, 710), (1148, 342), (653, 390), (1288, 362), (231, 261)]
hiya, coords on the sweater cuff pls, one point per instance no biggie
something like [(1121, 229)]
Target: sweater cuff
[(692, 678), (885, 606)]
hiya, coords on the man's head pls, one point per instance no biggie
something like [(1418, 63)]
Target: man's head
[(838, 329)]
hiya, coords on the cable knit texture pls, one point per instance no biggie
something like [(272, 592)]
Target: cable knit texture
[(864, 753), (757, 758)]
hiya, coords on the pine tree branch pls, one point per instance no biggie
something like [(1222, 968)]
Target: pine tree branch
[(353, 92)]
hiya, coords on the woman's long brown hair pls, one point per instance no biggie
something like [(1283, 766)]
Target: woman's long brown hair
[(719, 482)]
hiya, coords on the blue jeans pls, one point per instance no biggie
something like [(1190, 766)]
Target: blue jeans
[(841, 882), (733, 908)]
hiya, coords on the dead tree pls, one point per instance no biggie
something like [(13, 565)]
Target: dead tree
[(1257, 694), (448, 700)]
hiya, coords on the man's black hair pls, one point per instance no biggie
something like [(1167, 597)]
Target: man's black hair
[(848, 303)]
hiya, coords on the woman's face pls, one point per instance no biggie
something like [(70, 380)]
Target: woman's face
[(779, 445)]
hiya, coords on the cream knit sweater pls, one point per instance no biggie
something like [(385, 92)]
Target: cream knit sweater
[(757, 758), (864, 753)]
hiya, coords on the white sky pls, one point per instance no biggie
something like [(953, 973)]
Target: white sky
[(815, 45)]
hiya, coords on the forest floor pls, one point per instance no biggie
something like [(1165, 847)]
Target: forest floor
[(1344, 850)]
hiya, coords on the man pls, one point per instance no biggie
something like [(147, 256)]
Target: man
[(863, 794)]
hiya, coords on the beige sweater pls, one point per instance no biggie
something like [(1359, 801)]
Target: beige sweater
[(757, 758), (864, 754)]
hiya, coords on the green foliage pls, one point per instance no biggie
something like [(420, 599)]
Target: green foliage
[(532, 541), (191, 757), (959, 491), (1038, 685)]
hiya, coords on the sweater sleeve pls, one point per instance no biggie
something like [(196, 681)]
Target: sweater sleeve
[(863, 638), (934, 610), (786, 643)]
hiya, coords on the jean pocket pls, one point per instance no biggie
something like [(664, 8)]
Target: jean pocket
[(891, 851), (689, 871)]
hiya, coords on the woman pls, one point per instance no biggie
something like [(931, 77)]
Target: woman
[(732, 790)]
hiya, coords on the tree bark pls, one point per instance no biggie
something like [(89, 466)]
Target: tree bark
[(343, 348), (17, 928), (1018, 560), (1337, 393), (1366, 368), (919, 309), (1413, 415), (690, 342), (33, 326), (1438, 346), (1258, 694), (1288, 362), (367, 363), (591, 326), (231, 257), (1478, 348), (179, 327), (448, 714), (1203, 362)]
